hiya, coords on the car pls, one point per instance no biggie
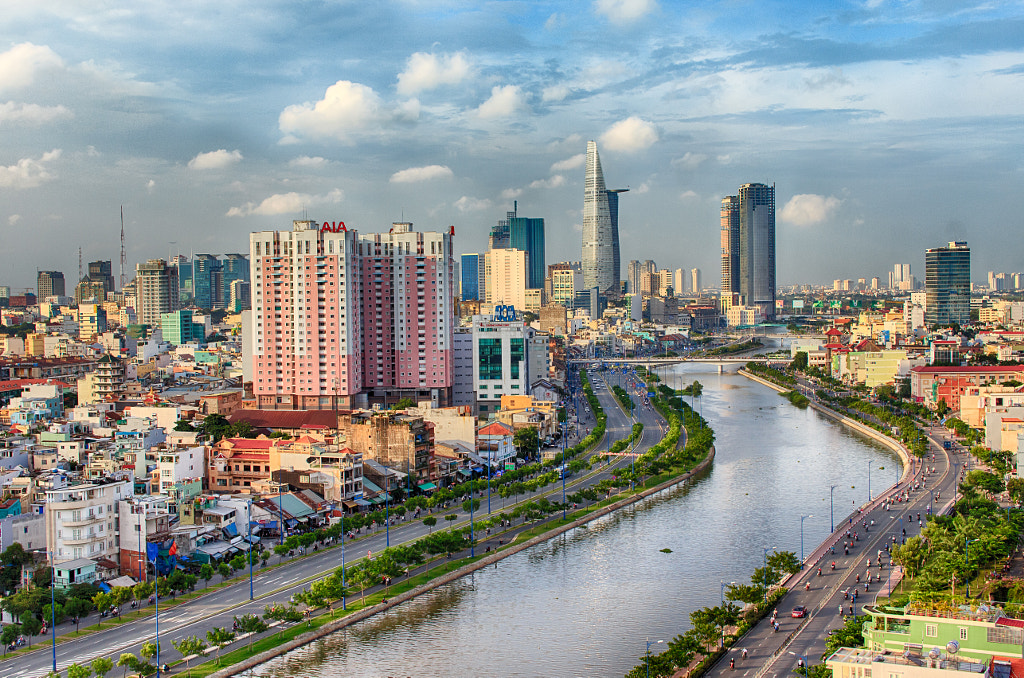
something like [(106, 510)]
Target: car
[(799, 611)]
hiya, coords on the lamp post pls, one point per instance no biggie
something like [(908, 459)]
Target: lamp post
[(387, 511), (53, 613), (472, 549), (831, 506), (647, 654), (956, 480), (932, 502), (280, 507), (802, 518), (249, 517), (869, 481), (563, 478), (156, 613), (802, 659), (764, 563), (967, 574), (343, 555), (490, 468)]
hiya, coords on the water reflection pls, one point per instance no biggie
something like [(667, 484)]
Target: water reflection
[(582, 604)]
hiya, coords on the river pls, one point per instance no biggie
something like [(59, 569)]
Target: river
[(585, 603)]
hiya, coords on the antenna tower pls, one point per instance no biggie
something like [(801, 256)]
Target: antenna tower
[(124, 259), (80, 277)]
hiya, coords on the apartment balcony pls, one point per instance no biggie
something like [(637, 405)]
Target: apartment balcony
[(84, 521), (85, 539)]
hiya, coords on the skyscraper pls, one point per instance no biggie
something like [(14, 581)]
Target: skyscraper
[(528, 235), (506, 274), (748, 246), (947, 272), (600, 228), (49, 284), (101, 272), (472, 277), (156, 290)]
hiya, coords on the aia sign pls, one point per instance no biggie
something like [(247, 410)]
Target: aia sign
[(333, 227)]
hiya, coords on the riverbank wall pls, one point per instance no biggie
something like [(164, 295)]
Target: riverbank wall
[(487, 561)]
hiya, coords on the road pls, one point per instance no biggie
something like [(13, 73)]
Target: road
[(774, 654), (217, 609)]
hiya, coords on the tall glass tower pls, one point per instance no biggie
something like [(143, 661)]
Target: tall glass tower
[(947, 280), (757, 247), (601, 260)]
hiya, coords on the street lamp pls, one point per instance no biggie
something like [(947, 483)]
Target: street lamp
[(764, 562), (803, 659), (53, 608), (647, 657), (563, 479), (831, 506), (343, 556), (249, 517), (802, 518), (869, 481), (967, 574)]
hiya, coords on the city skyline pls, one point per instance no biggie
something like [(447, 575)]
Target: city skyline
[(846, 107)]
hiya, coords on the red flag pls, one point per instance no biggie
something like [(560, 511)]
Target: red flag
[(174, 548)]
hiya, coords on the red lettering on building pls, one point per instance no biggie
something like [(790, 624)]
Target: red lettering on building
[(333, 227)]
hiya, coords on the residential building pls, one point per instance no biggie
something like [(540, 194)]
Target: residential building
[(931, 383), (601, 259), (81, 520), (179, 464), (901, 279), (496, 443), (696, 284), (337, 315), (730, 244), (156, 290), (236, 464), (948, 284), (142, 519), (915, 662), (394, 439)]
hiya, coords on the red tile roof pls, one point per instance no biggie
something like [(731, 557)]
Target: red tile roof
[(293, 419), (968, 369), (495, 429)]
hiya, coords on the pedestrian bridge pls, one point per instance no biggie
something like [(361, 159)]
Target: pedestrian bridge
[(725, 360)]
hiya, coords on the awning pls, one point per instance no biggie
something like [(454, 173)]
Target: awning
[(478, 469), (269, 525), (350, 503), (465, 472), (362, 502), (427, 486), (291, 522), (231, 530)]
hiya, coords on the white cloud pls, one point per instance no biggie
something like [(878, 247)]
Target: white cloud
[(630, 135), (13, 219), (415, 174), (314, 162), (574, 162), (553, 182), (555, 93), (347, 107), (504, 102), (283, 203), (218, 159), (32, 113), (510, 193), (554, 22), (808, 209), (467, 204), (688, 195), (28, 172), (426, 71), (408, 111), (689, 160), (624, 10), (150, 185), (19, 64), (643, 188), (578, 227)]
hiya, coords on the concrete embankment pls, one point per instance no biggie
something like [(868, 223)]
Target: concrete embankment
[(486, 561), (857, 426)]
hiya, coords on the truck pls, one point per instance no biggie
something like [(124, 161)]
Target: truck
[(947, 444)]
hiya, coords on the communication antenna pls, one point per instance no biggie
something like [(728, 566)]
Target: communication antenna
[(80, 277), (124, 259)]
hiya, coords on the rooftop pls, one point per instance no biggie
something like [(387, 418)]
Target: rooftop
[(861, 655)]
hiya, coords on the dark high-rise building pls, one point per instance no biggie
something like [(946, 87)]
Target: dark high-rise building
[(528, 235), (947, 272), (102, 272), (748, 247), (233, 267), (207, 290), (49, 284), (601, 259)]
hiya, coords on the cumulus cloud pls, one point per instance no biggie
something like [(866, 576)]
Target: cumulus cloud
[(688, 195), (510, 193), (808, 209), (689, 160), (13, 219), (427, 71), (32, 113), (553, 182), (504, 102), (554, 93), (415, 174), (284, 203), (218, 159), (575, 162), (624, 10), (19, 64), (630, 135), (28, 172), (314, 162), (467, 204), (150, 185), (347, 107)]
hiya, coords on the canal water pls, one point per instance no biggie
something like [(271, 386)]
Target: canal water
[(585, 603)]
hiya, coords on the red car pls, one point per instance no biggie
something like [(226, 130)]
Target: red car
[(799, 611)]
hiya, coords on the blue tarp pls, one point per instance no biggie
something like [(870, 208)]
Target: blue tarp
[(269, 525), (104, 586), (231, 530)]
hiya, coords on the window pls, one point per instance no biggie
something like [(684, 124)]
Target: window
[(490, 359), (931, 630), (963, 633)]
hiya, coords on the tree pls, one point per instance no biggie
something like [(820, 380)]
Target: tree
[(451, 517), (1015, 488), (102, 602), (430, 521), (784, 562), (404, 404), (264, 557), (183, 425), (101, 666), (527, 442), (128, 661), (189, 646), (30, 625), (149, 650), (224, 570), (77, 608), (219, 637), (9, 635), (206, 573), (78, 671), (942, 409), (252, 624), (54, 615), (119, 595), (799, 361), (282, 613)]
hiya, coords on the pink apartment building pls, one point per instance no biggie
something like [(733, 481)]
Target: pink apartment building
[(356, 319)]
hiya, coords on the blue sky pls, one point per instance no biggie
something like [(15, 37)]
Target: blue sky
[(887, 126)]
